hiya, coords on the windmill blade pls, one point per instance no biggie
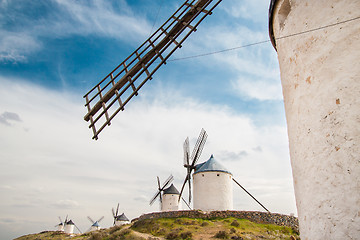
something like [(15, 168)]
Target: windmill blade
[(167, 182), (77, 228), (114, 216), (198, 147), (100, 219), (117, 209), (154, 198), (186, 203), (91, 219), (160, 197), (111, 94), (60, 219), (158, 181), (250, 195), (66, 219), (113, 212), (182, 188), (189, 189), (186, 152)]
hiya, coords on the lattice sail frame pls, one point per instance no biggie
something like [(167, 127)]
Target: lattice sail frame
[(111, 94)]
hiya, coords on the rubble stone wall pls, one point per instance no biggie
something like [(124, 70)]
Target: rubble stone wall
[(257, 217)]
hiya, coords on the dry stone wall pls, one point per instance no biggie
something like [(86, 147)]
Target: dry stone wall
[(257, 217)]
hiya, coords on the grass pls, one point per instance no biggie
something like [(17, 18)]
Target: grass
[(180, 229)]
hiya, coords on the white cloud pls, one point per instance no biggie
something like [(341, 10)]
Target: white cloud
[(14, 46), (250, 10), (71, 18), (73, 173)]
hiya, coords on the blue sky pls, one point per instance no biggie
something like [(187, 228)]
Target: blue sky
[(52, 52)]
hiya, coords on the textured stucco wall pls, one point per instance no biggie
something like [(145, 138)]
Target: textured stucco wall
[(213, 191), (170, 202), (320, 75)]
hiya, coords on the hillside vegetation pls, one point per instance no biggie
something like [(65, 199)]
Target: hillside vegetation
[(180, 228)]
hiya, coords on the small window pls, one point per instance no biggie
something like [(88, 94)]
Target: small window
[(202, 175), (217, 174)]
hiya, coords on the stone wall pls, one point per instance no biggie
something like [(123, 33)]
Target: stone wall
[(257, 217)]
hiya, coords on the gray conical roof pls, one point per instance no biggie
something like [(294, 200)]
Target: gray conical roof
[(122, 217), (70, 222), (171, 190), (211, 165), (96, 224)]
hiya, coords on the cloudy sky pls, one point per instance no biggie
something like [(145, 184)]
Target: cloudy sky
[(52, 52)]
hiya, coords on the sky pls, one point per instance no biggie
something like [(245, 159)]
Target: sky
[(53, 52)]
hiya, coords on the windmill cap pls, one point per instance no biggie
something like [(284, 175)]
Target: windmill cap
[(122, 217), (70, 222), (210, 165), (171, 190), (96, 224)]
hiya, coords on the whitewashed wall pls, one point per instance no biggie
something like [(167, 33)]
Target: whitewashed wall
[(213, 191), (170, 202), (320, 74), (69, 229)]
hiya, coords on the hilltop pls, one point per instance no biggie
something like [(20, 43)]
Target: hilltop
[(155, 226)]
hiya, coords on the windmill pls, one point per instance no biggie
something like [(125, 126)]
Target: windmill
[(69, 226), (112, 93), (189, 162), (60, 226), (160, 190), (95, 224), (119, 219)]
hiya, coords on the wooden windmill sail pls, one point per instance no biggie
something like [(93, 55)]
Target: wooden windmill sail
[(111, 94), (94, 224), (190, 161), (161, 188)]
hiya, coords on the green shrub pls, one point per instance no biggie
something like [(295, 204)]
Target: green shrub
[(172, 235), (235, 223), (222, 235), (97, 236), (204, 224), (186, 235)]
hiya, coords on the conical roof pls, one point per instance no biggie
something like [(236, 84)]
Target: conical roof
[(171, 190), (96, 224), (122, 217), (211, 165), (70, 222)]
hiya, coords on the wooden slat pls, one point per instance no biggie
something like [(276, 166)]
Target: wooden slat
[(184, 23)]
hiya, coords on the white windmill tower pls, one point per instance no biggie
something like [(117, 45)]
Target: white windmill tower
[(95, 224), (213, 186), (212, 181), (317, 44), (69, 226), (119, 219), (168, 196), (170, 201)]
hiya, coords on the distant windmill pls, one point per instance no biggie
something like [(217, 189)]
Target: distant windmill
[(95, 224), (160, 191), (189, 162), (69, 226), (111, 94), (119, 219), (60, 226)]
